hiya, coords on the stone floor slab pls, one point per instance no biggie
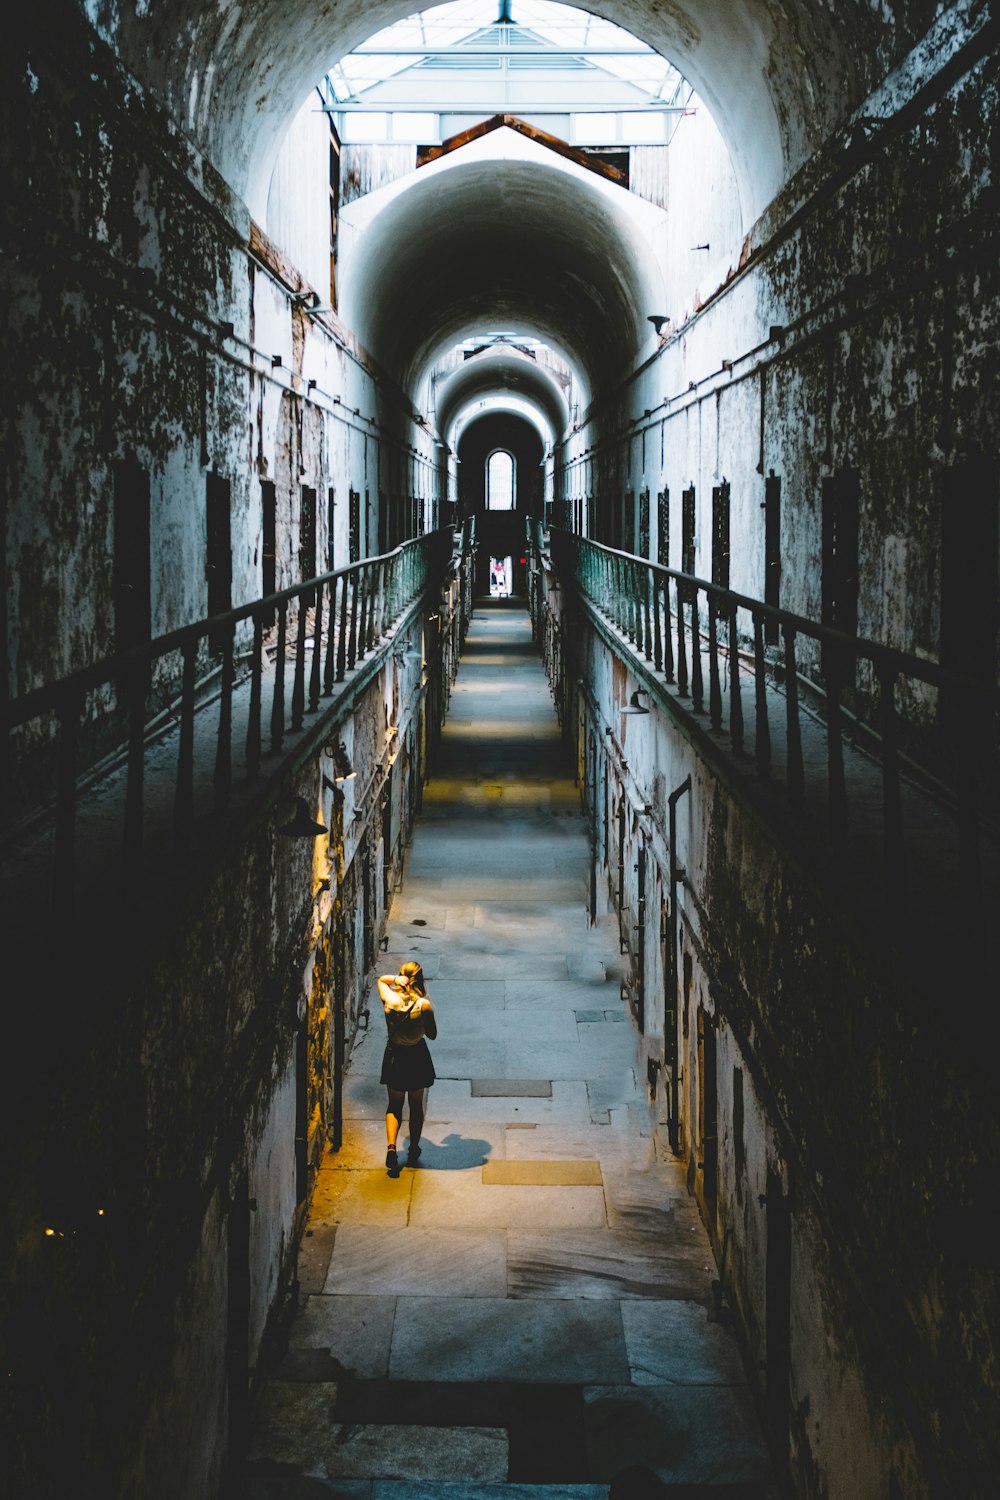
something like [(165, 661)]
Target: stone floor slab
[(440, 1200), (368, 1196), (511, 1088), (689, 1435), (675, 1343), (601, 1263), (551, 1173), (483, 1339), (417, 1262), (355, 1333)]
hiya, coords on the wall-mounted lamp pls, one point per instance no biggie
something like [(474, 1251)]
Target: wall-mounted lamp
[(302, 825), (633, 706), (310, 385), (342, 768), (331, 786), (657, 320), (275, 361)]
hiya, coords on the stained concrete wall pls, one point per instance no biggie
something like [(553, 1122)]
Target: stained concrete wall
[(878, 268), (843, 1114), (157, 325)]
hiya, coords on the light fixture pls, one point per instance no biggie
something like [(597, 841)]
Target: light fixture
[(310, 385), (633, 706), (331, 786), (657, 320), (302, 826), (342, 768), (275, 361)]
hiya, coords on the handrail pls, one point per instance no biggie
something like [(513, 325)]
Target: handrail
[(343, 614), (659, 611)]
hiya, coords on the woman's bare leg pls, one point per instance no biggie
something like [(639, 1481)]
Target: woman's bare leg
[(394, 1116), (416, 1117)]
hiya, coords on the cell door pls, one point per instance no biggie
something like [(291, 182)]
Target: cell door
[(772, 552), (354, 526), (307, 533), (643, 548), (219, 553), (720, 534), (708, 1123), (269, 537), (841, 498), (969, 603), (131, 566), (778, 1331), (688, 537), (663, 528)]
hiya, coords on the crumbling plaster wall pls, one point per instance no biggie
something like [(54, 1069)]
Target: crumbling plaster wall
[(155, 324), (851, 1105), (879, 271)]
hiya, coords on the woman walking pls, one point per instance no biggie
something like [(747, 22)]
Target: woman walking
[(406, 1063)]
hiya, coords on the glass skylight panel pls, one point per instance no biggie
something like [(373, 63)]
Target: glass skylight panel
[(458, 37)]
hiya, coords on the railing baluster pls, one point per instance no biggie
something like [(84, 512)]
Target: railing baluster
[(668, 642), (795, 774), (655, 584), (223, 779), (735, 695), (714, 682), (317, 651), (682, 661), (64, 863), (835, 748), (762, 729), (299, 680), (278, 697), (253, 741), (184, 789), (647, 634), (137, 680), (697, 682), (342, 628), (355, 630), (330, 663)]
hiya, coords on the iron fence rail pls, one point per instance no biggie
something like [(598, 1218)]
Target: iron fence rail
[(680, 624), (336, 619)]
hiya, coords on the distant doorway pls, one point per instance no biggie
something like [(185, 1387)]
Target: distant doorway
[(500, 576), (500, 481)]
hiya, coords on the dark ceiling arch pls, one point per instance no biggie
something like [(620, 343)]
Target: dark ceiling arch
[(778, 75), (496, 372), (515, 242), (512, 434)]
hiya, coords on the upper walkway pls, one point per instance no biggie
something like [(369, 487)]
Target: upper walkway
[(532, 1308)]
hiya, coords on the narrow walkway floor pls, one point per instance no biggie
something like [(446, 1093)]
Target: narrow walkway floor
[(531, 1309)]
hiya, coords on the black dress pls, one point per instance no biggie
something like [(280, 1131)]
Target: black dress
[(407, 1068)]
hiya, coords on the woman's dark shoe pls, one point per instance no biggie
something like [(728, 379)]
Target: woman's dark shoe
[(412, 1154), (391, 1159)]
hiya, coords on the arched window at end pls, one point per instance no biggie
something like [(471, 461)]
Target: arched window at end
[(500, 481)]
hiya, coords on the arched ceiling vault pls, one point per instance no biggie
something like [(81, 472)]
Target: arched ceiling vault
[(498, 237), (777, 75), (498, 373)]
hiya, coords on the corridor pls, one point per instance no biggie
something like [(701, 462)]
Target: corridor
[(532, 1309)]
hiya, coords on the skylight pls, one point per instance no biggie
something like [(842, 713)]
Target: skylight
[(528, 57)]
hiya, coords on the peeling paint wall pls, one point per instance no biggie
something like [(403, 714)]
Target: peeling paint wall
[(835, 1139), (862, 335)]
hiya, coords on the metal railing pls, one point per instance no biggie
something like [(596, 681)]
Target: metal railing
[(336, 620), (696, 635)]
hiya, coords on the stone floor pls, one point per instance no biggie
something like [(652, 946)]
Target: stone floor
[(531, 1308)]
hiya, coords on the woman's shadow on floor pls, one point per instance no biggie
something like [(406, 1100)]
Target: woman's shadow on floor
[(453, 1153)]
